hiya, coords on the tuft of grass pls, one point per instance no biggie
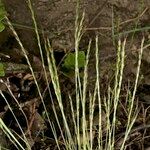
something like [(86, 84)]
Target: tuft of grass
[(84, 137)]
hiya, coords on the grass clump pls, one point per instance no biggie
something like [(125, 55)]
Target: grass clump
[(84, 134)]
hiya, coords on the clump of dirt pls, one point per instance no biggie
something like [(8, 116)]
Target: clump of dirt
[(109, 19)]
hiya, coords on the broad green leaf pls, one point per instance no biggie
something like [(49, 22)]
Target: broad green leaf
[(2, 27), (2, 16), (69, 62), (2, 71)]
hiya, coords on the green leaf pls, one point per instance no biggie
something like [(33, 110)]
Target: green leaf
[(69, 62), (2, 71), (2, 16), (2, 27)]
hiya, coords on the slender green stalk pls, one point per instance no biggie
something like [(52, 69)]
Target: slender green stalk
[(41, 53), (131, 119), (107, 103), (99, 96), (132, 31), (31, 69), (91, 112), (78, 35), (20, 108), (25, 139), (10, 135), (118, 83), (54, 77)]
